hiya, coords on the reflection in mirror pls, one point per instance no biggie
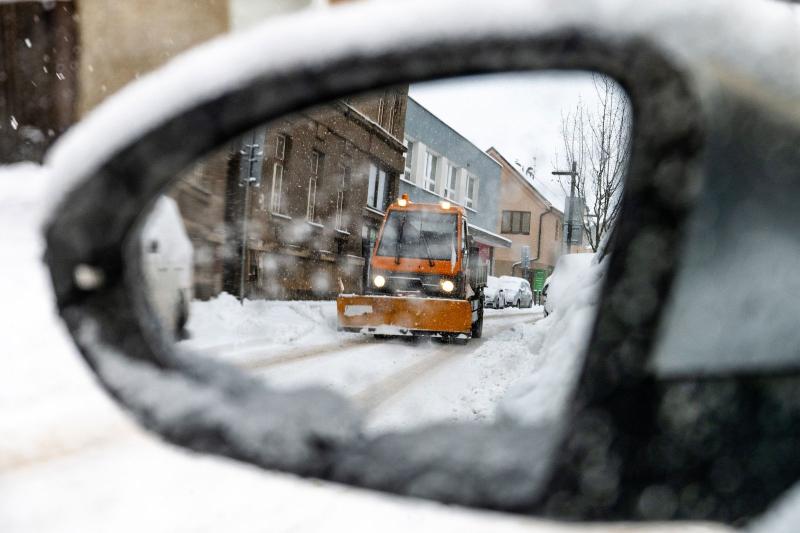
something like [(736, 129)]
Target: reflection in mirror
[(426, 250)]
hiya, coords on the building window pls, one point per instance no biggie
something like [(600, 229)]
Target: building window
[(276, 197), (316, 169), (556, 225), (516, 222), (377, 188), (252, 266), (451, 186), (397, 111), (390, 119), (409, 159), (431, 161), (341, 204), (280, 147), (472, 192), (381, 110)]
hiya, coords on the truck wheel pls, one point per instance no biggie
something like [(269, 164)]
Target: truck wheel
[(477, 326)]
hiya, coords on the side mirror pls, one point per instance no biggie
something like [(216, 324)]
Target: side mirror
[(703, 443)]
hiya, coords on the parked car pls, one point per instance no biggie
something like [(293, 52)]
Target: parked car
[(493, 294), (167, 254), (517, 291)]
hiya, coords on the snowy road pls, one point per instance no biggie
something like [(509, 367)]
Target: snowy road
[(400, 383)]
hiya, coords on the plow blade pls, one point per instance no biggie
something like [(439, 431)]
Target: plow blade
[(401, 315)]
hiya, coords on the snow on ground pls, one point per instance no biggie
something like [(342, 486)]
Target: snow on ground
[(560, 341), (138, 485), (349, 371), (524, 370), (236, 330), (465, 386), (468, 386)]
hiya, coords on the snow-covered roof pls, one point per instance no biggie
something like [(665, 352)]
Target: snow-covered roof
[(495, 154), (488, 237)]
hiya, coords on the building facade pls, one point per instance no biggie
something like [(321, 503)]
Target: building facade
[(326, 178), (529, 220), (201, 194), (283, 211), (441, 164)]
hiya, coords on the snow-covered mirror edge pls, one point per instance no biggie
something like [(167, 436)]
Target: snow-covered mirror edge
[(108, 321)]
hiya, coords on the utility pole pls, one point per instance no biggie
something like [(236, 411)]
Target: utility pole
[(568, 211), (251, 175)]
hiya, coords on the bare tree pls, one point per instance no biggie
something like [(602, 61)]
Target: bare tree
[(597, 138)]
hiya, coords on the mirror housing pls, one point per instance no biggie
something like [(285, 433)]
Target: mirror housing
[(608, 458)]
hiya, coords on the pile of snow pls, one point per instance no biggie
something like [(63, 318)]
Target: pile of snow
[(225, 324), (558, 342)]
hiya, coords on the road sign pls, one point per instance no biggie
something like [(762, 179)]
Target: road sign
[(575, 209), (576, 234), (573, 224)]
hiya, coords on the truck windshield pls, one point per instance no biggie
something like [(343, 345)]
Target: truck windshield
[(406, 234)]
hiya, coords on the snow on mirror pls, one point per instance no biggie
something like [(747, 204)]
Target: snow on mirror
[(425, 250)]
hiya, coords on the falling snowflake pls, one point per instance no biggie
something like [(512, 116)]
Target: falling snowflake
[(28, 42), (14, 123)]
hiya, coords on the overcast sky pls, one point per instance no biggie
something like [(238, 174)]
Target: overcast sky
[(519, 114)]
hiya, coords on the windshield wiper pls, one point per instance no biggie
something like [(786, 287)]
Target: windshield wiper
[(398, 246), (427, 248)]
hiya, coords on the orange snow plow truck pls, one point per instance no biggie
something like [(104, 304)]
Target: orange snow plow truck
[(425, 276)]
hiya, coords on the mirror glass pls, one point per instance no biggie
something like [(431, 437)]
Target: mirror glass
[(429, 251)]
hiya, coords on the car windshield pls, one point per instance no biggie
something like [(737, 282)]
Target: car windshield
[(420, 234)]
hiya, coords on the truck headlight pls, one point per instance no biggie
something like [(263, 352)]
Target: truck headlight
[(379, 281), (447, 285)]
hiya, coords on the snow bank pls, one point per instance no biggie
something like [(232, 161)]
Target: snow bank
[(223, 324), (557, 342)]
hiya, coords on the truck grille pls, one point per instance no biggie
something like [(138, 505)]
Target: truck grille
[(404, 283)]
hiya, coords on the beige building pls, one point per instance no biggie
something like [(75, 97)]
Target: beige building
[(121, 41), (527, 219)]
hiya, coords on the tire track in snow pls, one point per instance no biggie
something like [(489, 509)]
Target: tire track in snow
[(378, 393), (299, 354), (319, 350)]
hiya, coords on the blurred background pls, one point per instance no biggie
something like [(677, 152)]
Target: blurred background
[(59, 59)]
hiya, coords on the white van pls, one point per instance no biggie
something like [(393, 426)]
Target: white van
[(167, 254)]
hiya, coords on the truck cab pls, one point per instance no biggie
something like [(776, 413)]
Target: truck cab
[(425, 276), (421, 249)]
